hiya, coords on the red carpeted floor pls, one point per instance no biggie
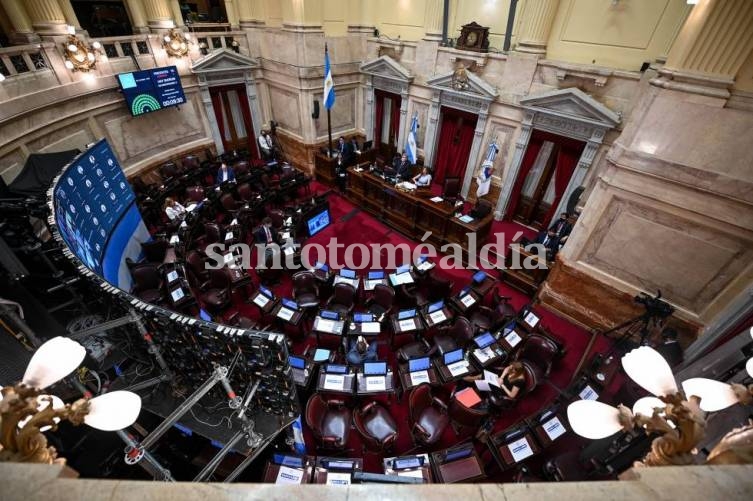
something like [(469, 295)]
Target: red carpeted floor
[(351, 225)]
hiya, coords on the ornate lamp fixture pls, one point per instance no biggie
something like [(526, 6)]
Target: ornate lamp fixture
[(175, 43), (236, 46), (79, 56), (677, 415), (25, 412)]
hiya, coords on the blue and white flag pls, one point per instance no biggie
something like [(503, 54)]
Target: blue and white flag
[(484, 178), (329, 85), (411, 149)]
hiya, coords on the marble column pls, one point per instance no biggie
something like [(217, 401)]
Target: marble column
[(526, 129), (710, 49), (69, 14), (361, 15), (432, 129), (158, 14), (401, 133), (138, 17), (206, 99), (253, 103), (177, 14), (19, 21), (232, 14), (47, 17), (368, 119), (537, 25), (433, 20), (473, 162), (251, 13)]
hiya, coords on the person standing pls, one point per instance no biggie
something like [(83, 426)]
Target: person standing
[(265, 145)]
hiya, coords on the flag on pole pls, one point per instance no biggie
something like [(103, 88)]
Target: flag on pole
[(329, 85), (484, 178), (411, 149)]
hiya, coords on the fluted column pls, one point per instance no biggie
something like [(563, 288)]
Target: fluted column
[(250, 13), (46, 17), (537, 25), (177, 14), (158, 14), (433, 20), (138, 17), (69, 14), (361, 16), (20, 22), (302, 15), (710, 49), (232, 15)]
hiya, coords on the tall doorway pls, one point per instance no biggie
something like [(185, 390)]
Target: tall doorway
[(454, 144), (233, 117), (545, 172), (386, 122)]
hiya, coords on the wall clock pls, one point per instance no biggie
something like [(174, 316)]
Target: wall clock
[(473, 36)]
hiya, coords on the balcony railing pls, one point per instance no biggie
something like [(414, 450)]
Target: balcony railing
[(21, 59)]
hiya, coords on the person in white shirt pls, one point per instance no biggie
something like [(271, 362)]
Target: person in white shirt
[(265, 143), (174, 210), (423, 179)]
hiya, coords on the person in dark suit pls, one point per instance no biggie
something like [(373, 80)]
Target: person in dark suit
[(550, 241), (562, 227), (345, 158), (670, 348), (225, 174), (266, 235), (403, 167)]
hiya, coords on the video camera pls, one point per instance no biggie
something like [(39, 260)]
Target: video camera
[(655, 307)]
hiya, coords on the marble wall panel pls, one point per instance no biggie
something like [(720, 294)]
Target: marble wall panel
[(343, 113), (285, 109)]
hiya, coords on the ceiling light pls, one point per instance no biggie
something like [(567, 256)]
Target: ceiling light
[(646, 405), (54, 360), (593, 419), (650, 371), (113, 411), (714, 395)]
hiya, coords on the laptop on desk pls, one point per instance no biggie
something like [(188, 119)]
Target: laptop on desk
[(375, 374), (418, 369)]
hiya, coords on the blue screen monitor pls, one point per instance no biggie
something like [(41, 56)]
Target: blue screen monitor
[(405, 463), (459, 454), (479, 276), (375, 368), (363, 317), (266, 291), (423, 259), (484, 340), (329, 315), (453, 356), (464, 291), (297, 362), (435, 306), (376, 275), (403, 269), (337, 464), (321, 355), (321, 266), (291, 461), (151, 90), (419, 364), (205, 316), (336, 369), (346, 273), (318, 222), (289, 303), (402, 315)]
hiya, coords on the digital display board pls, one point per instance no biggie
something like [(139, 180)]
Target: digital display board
[(151, 90), (91, 198), (318, 222)]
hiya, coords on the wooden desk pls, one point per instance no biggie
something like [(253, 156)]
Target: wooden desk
[(483, 288), (330, 470), (447, 376), (324, 168), (273, 471), (407, 382), (362, 388), (464, 469), (496, 355), (513, 447), (465, 302), (423, 470), (295, 318), (398, 329), (430, 317), (348, 387), (265, 303), (356, 329), (549, 426), (511, 337), (525, 280)]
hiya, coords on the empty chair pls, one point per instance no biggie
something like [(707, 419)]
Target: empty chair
[(305, 289), (567, 467), (466, 418), (245, 192), (482, 209), (238, 320), (428, 415), (505, 311), (329, 421), (278, 219), (155, 250), (197, 271), (215, 292), (229, 203), (241, 168), (540, 351), (458, 335), (195, 193), (381, 302), (147, 282), (415, 349), (376, 426), (168, 170), (451, 189), (484, 318), (343, 298)]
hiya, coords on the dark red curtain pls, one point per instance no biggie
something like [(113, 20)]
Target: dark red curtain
[(567, 160), (395, 121), (529, 158), (378, 112), (455, 139), (217, 106), (253, 151)]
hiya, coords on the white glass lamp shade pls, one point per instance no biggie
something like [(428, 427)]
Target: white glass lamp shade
[(54, 360), (650, 371), (166, 38), (69, 65), (2, 77), (97, 45), (593, 419), (749, 366), (187, 36), (71, 30), (646, 405), (42, 404), (714, 395), (72, 48), (113, 411)]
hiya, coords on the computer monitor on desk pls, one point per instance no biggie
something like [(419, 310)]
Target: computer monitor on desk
[(375, 368), (336, 369), (419, 364), (484, 340), (453, 356), (405, 314)]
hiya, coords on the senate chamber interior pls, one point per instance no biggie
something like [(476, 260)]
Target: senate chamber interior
[(376, 245)]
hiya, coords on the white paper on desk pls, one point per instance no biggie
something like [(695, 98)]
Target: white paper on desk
[(174, 239), (288, 475), (289, 250), (229, 235), (411, 473), (437, 316), (484, 354), (334, 382), (285, 314), (177, 294), (531, 319), (491, 378), (285, 235), (437, 199), (191, 207), (419, 377), (261, 300), (520, 449), (325, 325), (468, 300), (376, 383), (228, 257), (458, 368), (426, 265), (369, 285), (403, 278), (338, 478), (553, 428), (407, 325), (371, 328), (513, 338), (588, 393)]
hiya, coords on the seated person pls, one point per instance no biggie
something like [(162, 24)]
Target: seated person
[(512, 380), (423, 179), (403, 167), (174, 210), (265, 145), (549, 240), (562, 227), (224, 174), (361, 352)]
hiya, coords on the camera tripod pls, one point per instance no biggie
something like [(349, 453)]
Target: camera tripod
[(641, 326)]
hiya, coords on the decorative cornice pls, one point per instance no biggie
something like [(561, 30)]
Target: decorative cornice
[(693, 83)]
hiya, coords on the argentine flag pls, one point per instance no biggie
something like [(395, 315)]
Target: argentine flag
[(484, 178), (410, 149), (329, 85)]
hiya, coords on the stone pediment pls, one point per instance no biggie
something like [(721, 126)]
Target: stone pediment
[(224, 60), (387, 67), (572, 103), (473, 85)]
